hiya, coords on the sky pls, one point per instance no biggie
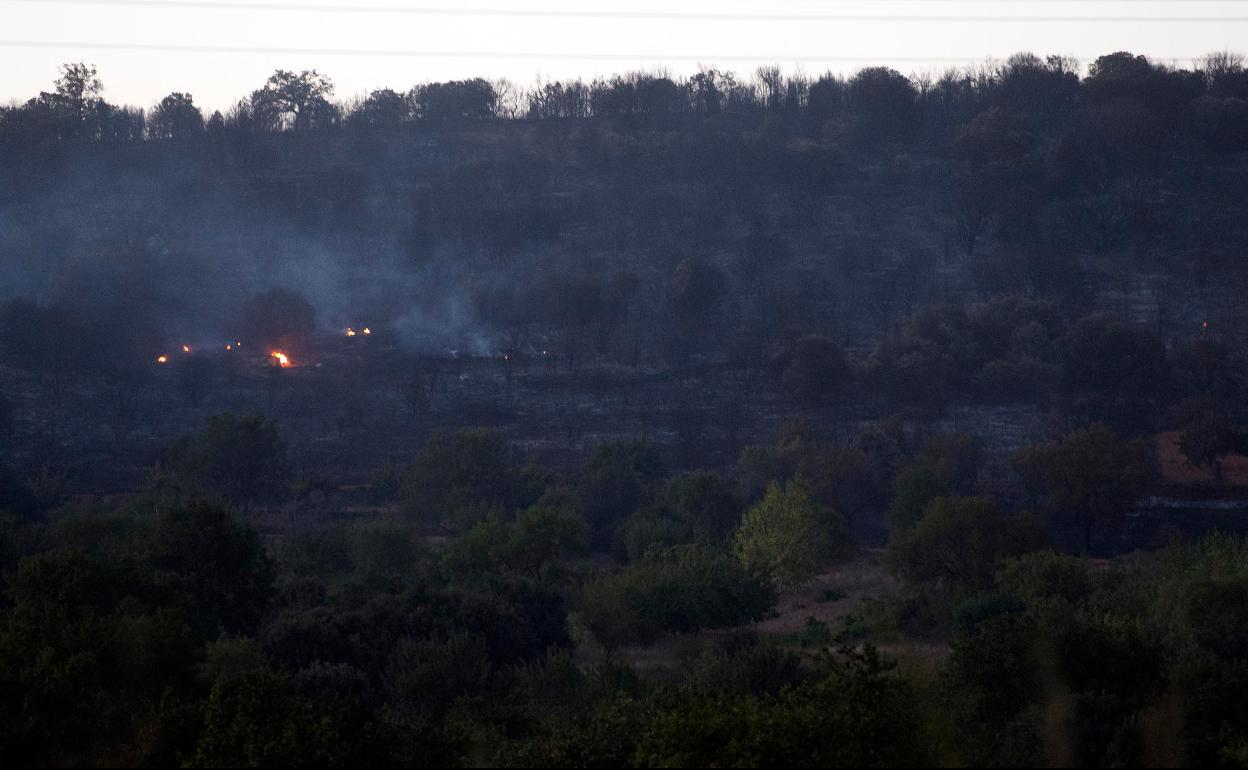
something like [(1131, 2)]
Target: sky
[(221, 50)]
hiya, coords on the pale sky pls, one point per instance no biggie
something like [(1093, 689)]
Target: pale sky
[(135, 40)]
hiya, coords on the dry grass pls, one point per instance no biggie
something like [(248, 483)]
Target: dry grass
[(832, 594)]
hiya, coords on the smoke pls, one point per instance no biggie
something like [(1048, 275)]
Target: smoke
[(449, 329), (426, 305), (170, 245)]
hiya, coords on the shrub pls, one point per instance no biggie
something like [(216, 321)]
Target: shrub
[(786, 537), (682, 588)]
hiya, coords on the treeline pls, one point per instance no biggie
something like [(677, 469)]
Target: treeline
[(876, 106)]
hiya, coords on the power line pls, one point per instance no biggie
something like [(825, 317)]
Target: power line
[(1025, 2), (522, 55), (617, 15)]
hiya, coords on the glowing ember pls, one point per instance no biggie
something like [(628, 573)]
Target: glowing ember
[(186, 348), (350, 332), (367, 330), (282, 359), (162, 359), (229, 347)]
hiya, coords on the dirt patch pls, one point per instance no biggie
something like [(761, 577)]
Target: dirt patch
[(1175, 469), (828, 598), (831, 595)]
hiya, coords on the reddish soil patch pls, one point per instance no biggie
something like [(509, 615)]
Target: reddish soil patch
[(1176, 470)]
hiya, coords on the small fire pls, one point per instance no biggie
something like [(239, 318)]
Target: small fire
[(350, 332), (162, 359), (367, 330), (282, 359), (186, 348), (229, 347)]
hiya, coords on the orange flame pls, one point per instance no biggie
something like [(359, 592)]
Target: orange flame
[(367, 330), (282, 359), (186, 348), (350, 332), (162, 359)]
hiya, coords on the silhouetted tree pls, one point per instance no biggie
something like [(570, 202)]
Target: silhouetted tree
[(294, 101), (383, 108), (175, 117), (456, 100), (882, 105)]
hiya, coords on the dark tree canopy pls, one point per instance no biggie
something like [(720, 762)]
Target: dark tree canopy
[(175, 117), (241, 459), (294, 101), (1090, 475)]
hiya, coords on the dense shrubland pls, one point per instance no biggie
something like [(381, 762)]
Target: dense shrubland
[(163, 629)]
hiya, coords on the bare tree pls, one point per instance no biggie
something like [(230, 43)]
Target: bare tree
[(1224, 74), (771, 86), (509, 99), (707, 91)]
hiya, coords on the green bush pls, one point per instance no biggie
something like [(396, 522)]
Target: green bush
[(787, 537), (960, 543), (652, 529), (682, 588), (457, 479)]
